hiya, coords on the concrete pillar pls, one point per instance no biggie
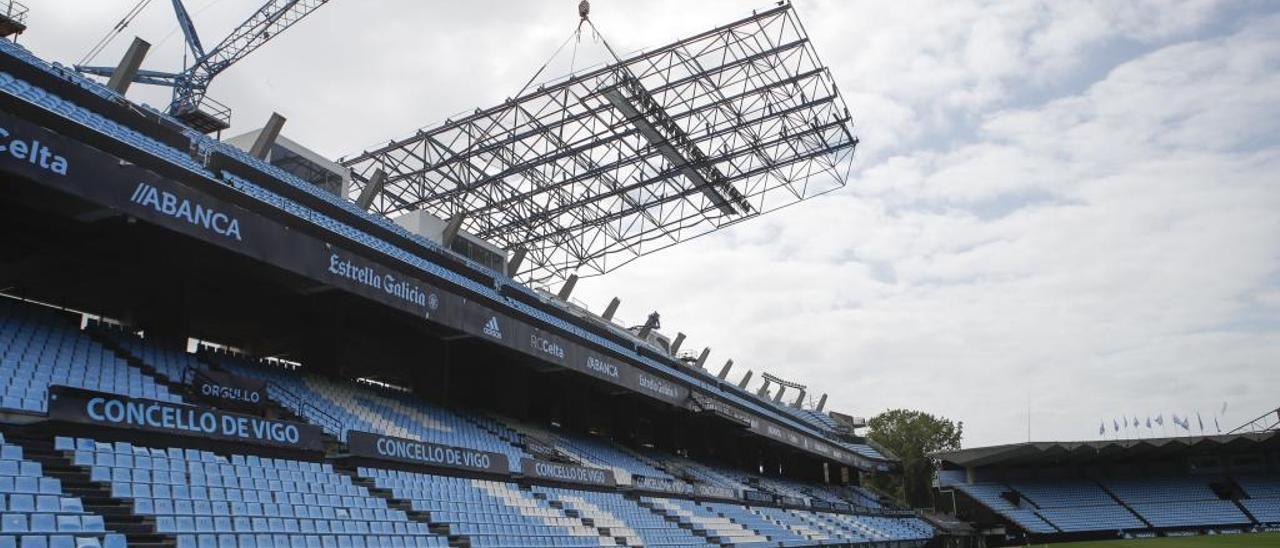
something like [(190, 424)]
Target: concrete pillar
[(675, 346), (451, 230), (612, 309), (764, 388), (724, 371), (129, 65), (267, 137), (799, 403), (372, 189), (702, 360), (566, 290), (517, 258)]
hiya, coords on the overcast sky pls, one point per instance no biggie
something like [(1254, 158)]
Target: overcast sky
[(1069, 205)]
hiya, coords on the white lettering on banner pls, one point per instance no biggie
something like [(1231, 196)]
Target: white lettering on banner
[(33, 152), (404, 291), (546, 345), (663, 485), (434, 454), (603, 367), (230, 393), (570, 473), (159, 415), (493, 329), (367, 276), (172, 205), (658, 386)]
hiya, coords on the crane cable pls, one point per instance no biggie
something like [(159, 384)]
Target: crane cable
[(572, 35), (584, 10), (114, 32)]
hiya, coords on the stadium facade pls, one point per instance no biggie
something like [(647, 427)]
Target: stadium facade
[(425, 399)]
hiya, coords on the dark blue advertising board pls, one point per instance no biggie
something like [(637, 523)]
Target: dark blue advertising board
[(714, 491), (757, 496), (225, 390), (390, 448), (177, 419), (661, 485), (568, 473)]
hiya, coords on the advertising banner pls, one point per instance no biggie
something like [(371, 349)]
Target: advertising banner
[(388, 448), (113, 411), (661, 485), (791, 501), (226, 390), (568, 473), (714, 491)]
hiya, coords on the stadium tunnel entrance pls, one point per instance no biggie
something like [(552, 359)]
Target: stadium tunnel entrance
[(65, 252)]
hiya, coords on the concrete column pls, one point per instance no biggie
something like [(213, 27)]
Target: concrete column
[(724, 371), (372, 189), (267, 137), (566, 290), (129, 65), (612, 309)]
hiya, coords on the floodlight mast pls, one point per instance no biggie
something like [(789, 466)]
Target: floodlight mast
[(589, 172), (190, 85)]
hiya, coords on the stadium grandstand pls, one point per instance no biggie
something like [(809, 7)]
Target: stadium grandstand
[(227, 343), (1051, 492)]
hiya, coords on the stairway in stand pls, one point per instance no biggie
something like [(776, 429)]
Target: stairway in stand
[(681, 523), (118, 514), (174, 386), (458, 541), (1126, 506), (587, 521)]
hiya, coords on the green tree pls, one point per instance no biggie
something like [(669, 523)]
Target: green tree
[(912, 436)]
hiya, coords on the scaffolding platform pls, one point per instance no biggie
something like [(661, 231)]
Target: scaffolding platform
[(13, 18), (207, 117)]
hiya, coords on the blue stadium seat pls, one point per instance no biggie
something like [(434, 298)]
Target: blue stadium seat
[(44, 347), (307, 501)]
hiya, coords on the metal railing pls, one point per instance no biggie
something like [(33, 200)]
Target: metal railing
[(290, 401), (202, 111), (15, 11), (303, 408)]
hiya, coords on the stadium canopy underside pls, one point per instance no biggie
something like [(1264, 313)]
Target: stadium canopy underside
[(592, 171), (1142, 450)]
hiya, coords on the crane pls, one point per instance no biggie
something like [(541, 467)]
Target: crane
[(191, 85)]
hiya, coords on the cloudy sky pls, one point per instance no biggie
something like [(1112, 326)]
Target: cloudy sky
[(1064, 206)]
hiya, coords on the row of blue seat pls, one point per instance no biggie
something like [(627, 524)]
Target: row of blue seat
[(12, 523), (112, 540), (307, 541), (34, 511)]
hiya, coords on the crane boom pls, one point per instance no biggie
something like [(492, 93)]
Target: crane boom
[(270, 20), (190, 85)]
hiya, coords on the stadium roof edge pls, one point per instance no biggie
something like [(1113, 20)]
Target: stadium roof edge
[(1033, 453)]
